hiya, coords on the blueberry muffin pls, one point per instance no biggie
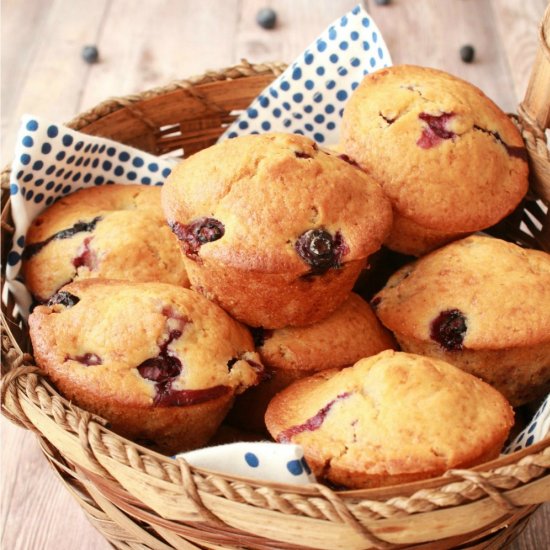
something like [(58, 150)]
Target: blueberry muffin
[(448, 158), (289, 354), (161, 363), (273, 229), (108, 232), (481, 304), (389, 419)]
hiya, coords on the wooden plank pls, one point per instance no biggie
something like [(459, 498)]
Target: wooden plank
[(57, 73), (517, 23), (148, 44), (299, 22), (431, 32), (37, 511), (22, 23), (537, 533)]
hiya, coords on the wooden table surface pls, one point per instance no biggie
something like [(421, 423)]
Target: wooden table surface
[(145, 43)]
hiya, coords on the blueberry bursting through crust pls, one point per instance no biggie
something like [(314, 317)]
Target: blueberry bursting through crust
[(319, 249), (64, 298), (197, 233), (448, 329), (164, 369)]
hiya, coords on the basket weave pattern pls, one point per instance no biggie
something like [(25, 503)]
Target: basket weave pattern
[(140, 499)]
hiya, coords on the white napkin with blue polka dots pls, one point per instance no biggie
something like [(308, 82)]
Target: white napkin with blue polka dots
[(309, 97), (535, 431), (52, 160), (277, 462)]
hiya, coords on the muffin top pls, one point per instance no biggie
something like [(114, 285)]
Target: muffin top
[(110, 232), (155, 343), (350, 333), (391, 414), (274, 203), (476, 293), (445, 154)]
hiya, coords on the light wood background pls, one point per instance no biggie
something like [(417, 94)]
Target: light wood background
[(145, 43)]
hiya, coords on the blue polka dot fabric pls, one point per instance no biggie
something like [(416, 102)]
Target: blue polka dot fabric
[(282, 463), (51, 161), (309, 97), (536, 430)]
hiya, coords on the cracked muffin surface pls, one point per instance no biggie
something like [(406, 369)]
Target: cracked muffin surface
[(109, 232), (448, 158), (288, 354), (392, 418), (483, 305), (159, 362), (274, 214)]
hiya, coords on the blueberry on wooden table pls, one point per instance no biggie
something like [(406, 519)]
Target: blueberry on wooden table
[(90, 54), (467, 53), (266, 18)]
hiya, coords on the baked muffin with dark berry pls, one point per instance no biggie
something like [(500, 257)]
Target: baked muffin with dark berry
[(449, 159), (108, 232), (289, 354), (161, 363), (273, 229), (481, 304), (392, 418)]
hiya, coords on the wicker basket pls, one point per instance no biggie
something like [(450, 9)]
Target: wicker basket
[(140, 499)]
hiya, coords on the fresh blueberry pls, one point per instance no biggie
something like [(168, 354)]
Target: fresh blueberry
[(266, 18), (90, 54), (467, 53)]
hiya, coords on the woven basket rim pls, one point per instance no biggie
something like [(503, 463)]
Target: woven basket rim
[(23, 380)]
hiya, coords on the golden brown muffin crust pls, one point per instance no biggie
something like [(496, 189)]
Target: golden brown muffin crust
[(390, 418), (268, 190), (350, 333), (98, 344), (118, 232), (447, 157), (501, 290)]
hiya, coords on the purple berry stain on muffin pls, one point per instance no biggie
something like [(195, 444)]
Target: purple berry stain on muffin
[(79, 227), (436, 129), (348, 159), (197, 233), (313, 423), (166, 367), (63, 298), (86, 256), (517, 152), (448, 329), (88, 359), (319, 249), (302, 155)]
